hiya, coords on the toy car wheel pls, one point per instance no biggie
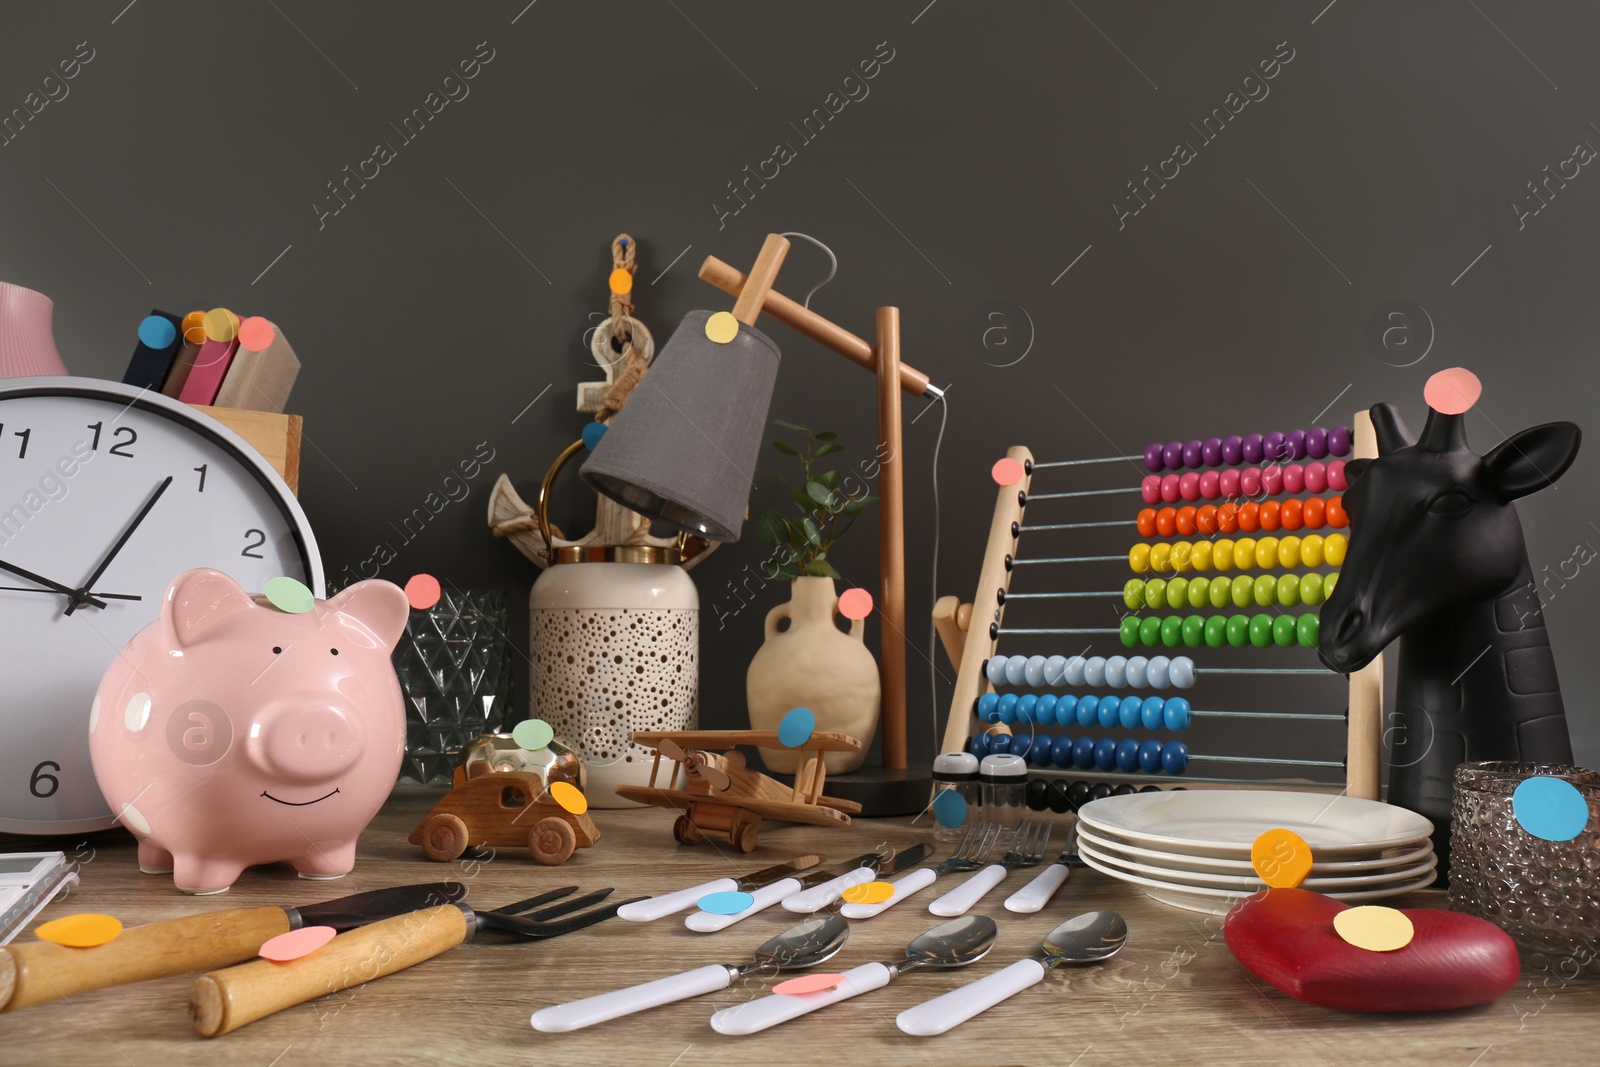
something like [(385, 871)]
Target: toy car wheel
[(685, 832), (551, 841), (743, 837), (444, 837)]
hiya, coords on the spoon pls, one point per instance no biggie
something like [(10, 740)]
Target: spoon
[(952, 944), (801, 946), (1088, 938)]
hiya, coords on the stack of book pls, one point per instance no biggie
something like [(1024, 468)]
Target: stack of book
[(214, 358)]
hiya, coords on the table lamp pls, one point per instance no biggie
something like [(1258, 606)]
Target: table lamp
[(683, 452)]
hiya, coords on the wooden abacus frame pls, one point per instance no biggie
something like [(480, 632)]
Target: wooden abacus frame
[(954, 621)]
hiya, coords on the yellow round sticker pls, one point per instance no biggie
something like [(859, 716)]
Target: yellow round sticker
[(722, 327), (1281, 858), (1373, 928), (868, 893), (569, 797), (80, 931)]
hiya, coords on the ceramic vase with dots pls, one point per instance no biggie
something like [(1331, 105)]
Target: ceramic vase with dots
[(614, 648)]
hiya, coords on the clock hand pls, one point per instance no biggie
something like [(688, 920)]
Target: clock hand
[(79, 594), (31, 589), (71, 593)]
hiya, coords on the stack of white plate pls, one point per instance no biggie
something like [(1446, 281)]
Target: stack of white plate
[(1191, 848)]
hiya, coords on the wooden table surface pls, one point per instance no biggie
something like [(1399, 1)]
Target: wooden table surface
[(1174, 995)]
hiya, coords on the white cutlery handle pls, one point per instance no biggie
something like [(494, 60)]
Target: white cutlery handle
[(960, 900), (818, 897), (755, 1015), (950, 1010), (1037, 893), (904, 886), (706, 922), (644, 911), (577, 1014)]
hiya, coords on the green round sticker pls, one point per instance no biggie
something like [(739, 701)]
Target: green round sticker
[(288, 595), (533, 734)]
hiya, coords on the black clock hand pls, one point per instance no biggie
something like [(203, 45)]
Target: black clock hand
[(105, 596), (72, 594), (79, 594)]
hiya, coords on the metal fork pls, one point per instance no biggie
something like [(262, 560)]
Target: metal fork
[(1037, 893), (540, 924), (1027, 850), (973, 849)]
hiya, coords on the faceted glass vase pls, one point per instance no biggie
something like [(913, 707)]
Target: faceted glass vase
[(455, 669)]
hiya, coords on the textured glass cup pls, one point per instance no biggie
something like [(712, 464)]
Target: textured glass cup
[(455, 668), (1545, 894)]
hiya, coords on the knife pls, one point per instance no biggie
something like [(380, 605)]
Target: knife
[(657, 907), (36, 972), (817, 896), (862, 869)]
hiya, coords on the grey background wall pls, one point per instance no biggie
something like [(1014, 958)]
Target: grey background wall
[(983, 171)]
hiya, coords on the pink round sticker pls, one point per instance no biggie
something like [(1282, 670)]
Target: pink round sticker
[(855, 604), (255, 334), (808, 983), (1007, 471), (1453, 391), (423, 591), (296, 943)]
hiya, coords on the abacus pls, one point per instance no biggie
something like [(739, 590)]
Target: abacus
[(1217, 517)]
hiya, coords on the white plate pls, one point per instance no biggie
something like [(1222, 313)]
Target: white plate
[(1251, 883), (1404, 856), (1221, 901), (1216, 822)]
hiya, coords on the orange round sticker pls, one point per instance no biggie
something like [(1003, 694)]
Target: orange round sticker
[(1281, 858), (868, 893), (80, 931), (569, 797), (621, 281)]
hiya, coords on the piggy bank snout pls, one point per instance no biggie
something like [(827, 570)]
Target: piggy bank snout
[(306, 741)]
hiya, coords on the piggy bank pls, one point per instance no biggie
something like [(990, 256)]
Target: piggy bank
[(230, 733)]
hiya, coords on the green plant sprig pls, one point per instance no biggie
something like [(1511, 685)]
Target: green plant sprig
[(826, 513)]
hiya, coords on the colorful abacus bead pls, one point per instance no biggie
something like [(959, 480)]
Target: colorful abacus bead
[(1315, 443)]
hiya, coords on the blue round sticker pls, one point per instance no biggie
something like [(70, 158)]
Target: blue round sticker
[(725, 903), (1550, 808), (157, 332), (592, 434), (797, 727), (950, 808)]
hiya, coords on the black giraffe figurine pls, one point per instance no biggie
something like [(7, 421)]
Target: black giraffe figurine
[(1437, 558)]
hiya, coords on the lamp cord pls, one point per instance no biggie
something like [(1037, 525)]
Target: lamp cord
[(933, 637), (833, 265)]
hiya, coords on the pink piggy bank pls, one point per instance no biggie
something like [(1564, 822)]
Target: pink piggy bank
[(229, 733)]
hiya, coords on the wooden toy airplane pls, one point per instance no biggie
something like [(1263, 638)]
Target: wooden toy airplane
[(723, 799)]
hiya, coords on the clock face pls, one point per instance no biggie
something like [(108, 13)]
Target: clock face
[(110, 492)]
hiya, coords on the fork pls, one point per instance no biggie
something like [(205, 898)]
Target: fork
[(974, 848), (1027, 850), (1037, 893), (548, 922)]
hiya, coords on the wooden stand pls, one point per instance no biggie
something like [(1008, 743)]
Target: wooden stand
[(275, 436)]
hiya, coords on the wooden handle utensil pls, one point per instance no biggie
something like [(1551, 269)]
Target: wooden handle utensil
[(35, 972), (223, 1001)]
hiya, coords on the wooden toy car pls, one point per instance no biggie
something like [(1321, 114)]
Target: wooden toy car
[(502, 809)]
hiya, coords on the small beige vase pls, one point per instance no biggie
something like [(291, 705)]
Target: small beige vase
[(813, 664)]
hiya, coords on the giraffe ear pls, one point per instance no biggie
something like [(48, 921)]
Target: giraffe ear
[(1533, 459)]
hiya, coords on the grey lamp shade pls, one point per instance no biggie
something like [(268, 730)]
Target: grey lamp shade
[(683, 450)]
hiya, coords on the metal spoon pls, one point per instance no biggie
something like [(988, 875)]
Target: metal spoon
[(801, 946), (1089, 938), (952, 944)]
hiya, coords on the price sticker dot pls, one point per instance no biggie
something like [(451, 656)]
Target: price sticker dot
[(1453, 391), (194, 328), (1550, 808), (157, 331), (807, 983), (725, 903), (288, 595), (423, 591), (256, 334), (797, 727), (722, 327), (296, 943), (532, 734), (221, 325), (1006, 471), (621, 281), (855, 604), (1375, 929), (570, 797), (592, 434), (80, 931), (868, 893), (1281, 858), (950, 809)]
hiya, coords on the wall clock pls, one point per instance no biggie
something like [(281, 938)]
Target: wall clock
[(107, 493)]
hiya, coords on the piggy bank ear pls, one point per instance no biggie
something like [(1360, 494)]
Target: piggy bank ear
[(199, 601), (380, 606)]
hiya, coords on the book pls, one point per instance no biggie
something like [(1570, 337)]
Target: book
[(263, 370), (160, 337), (212, 361), (194, 335)]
